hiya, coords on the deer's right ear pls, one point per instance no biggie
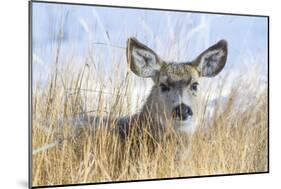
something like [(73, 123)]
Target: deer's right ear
[(141, 59), (212, 61)]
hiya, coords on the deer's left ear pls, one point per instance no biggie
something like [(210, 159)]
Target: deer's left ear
[(212, 61), (142, 60)]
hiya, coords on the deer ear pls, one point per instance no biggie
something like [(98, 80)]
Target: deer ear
[(141, 59), (212, 61)]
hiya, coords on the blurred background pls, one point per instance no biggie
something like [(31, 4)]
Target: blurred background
[(96, 36)]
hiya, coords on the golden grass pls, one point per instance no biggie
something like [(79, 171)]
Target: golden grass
[(235, 140)]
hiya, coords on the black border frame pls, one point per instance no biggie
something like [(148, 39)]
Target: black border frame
[(30, 89)]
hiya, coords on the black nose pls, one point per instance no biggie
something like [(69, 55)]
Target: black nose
[(182, 111)]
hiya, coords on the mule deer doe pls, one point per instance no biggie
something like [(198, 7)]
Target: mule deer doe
[(173, 98)]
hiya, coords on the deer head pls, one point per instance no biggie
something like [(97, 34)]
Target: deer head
[(176, 85)]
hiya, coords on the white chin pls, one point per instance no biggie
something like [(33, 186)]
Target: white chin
[(187, 126)]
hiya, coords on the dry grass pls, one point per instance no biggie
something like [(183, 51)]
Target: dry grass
[(234, 140)]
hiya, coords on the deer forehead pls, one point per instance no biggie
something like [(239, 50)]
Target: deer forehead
[(174, 72)]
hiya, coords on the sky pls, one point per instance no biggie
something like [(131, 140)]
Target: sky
[(190, 32)]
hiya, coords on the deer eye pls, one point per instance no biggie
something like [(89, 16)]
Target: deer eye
[(194, 86), (164, 88)]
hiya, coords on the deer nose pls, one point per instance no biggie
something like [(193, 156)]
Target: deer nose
[(182, 111)]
